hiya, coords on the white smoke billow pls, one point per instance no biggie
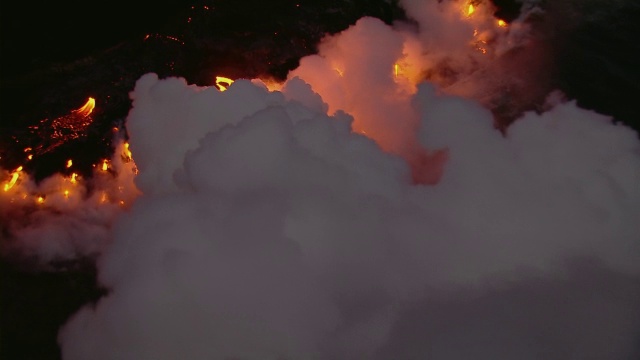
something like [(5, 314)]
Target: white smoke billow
[(359, 213)]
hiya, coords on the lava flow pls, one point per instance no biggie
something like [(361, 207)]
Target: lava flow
[(63, 129), (28, 207)]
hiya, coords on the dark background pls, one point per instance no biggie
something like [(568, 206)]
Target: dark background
[(36, 33)]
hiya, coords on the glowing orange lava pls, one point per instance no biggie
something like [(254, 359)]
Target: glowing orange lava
[(126, 155), (87, 108), (470, 10), (63, 129), (14, 178), (221, 81)]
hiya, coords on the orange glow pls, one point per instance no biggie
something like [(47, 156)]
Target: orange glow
[(339, 72), (69, 163), (104, 197), (30, 157), (127, 153), (174, 39), (105, 165), (270, 83), (73, 178), (396, 67), (87, 108), (66, 193), (40, 200), (470, 10), (502, 23), (14, 178), (221, 80)]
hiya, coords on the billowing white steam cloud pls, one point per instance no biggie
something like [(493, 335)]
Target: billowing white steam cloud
[(291, 224), (282, 234)]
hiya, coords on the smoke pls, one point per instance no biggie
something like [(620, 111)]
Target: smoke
[(361, 212), (283, 234), (64, 218)]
